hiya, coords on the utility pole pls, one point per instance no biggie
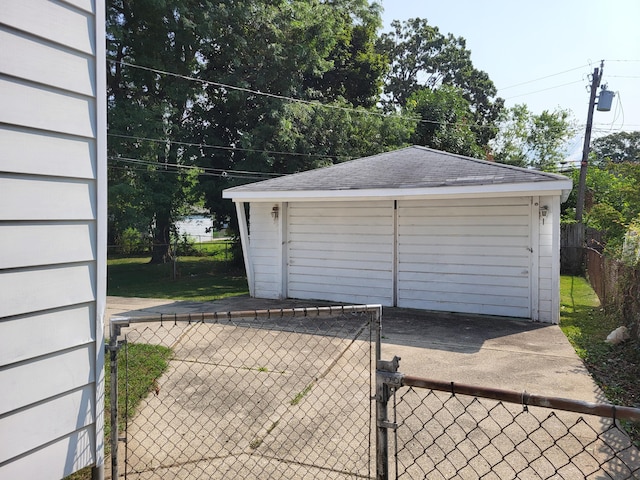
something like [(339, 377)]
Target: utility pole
[(582, 185)]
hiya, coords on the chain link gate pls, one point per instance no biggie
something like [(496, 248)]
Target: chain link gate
[(442, 430), (261, 394)]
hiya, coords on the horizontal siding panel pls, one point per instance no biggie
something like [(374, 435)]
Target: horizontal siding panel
[(414, 262), (56, 460), (304, 238), (475, 270), (546, 240), (471, 289), (341, 208), (467, 299), (331, 290), (31, 59), (331, 246), (446, 221), (49, 332), (466, 308), (86, 5), (364, 265), (33, 427), (493, 231), (471, 249), (488, 280), (29, 105), (328, 230), (342, 298), (332, 280), (469, 210), (53, 21), (41, 244), (301, 254), (51, 198), (36, 152), (342, 273), (55, 375), (442, 239), (372, 220), (46, 288), (266, 290)]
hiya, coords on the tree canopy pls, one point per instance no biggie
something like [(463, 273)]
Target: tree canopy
[(617, 147)]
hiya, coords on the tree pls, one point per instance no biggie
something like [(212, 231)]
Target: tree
[(144, 104), (529, 140), (617, 148), (446, 121), (422, 57)]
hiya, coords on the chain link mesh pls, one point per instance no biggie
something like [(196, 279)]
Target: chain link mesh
[(273, 396), (443, 435)]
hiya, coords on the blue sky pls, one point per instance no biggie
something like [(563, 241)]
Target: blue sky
[(518, 41)]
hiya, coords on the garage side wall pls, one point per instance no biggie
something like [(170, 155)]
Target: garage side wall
[(265, 249), (549, 261), (341, 251), (52, 236)]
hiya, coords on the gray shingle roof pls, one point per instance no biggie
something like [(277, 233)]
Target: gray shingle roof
[(411, 167)]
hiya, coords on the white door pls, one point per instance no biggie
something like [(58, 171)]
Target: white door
[(341, 251), (465, 255)]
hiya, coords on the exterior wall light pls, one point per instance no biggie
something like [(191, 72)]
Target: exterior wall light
[(275, 212)]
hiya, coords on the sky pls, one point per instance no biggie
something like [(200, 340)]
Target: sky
[(517, 41)]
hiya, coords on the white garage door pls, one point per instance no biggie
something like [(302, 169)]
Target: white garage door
[(468, 256), (341, 252)]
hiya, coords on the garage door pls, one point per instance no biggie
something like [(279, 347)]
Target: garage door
[(468, 256), (341, 252)]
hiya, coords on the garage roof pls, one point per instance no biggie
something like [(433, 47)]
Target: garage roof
[(411, 171)]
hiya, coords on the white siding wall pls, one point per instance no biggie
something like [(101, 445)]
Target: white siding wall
[(549, 264), (341, 252), (52, 216), (465, 255), (265, 247)]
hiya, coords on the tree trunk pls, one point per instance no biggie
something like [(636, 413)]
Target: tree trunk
[(161, 250)]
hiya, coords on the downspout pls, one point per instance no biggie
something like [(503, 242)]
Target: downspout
[(244, 240)]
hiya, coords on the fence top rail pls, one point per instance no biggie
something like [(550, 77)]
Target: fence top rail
[(527, 399), (213, 317)]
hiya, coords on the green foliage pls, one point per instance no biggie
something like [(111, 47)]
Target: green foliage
[(529, 140), (447, 121), (615, 368), (422, 57), (617, 148)]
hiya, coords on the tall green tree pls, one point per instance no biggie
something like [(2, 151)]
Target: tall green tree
[(422, 57), (446, 121), (145, 104), (529, 140), (617, 147)]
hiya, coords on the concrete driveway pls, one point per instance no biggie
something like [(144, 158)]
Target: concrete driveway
[(498, 352), (478, 350)]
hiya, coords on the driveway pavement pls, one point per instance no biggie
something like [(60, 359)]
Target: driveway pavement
[(485, 351)]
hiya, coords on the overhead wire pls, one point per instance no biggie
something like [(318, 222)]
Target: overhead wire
[(543, 78)]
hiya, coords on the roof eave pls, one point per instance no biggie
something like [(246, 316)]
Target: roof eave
[(556, 187)]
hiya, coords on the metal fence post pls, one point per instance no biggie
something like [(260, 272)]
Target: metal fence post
[(112, 348), (387, 377)]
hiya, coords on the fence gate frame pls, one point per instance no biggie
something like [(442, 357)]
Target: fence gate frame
[(118, 323)]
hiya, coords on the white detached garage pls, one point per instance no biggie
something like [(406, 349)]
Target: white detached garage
[(415, 228)]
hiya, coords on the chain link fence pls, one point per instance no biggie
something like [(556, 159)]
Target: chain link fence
[(444, 431), (265, 394)]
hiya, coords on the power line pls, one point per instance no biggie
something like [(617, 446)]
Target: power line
[(222, 147), (215, 172), (544, 89), (543, 78)]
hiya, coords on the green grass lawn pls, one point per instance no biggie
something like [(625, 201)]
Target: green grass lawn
[(615, 368), (199, 278)]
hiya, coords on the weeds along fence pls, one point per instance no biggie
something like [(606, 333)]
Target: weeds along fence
[(444, 430), (259, 394)]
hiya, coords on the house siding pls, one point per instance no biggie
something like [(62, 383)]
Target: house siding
[(265, 251), (549, 264), (341, 251), (52, 231), (465, 255)]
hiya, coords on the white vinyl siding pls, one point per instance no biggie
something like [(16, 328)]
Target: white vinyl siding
[(52, 236), (549, 264), (465, 255), (265, 250), (341, 251)]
